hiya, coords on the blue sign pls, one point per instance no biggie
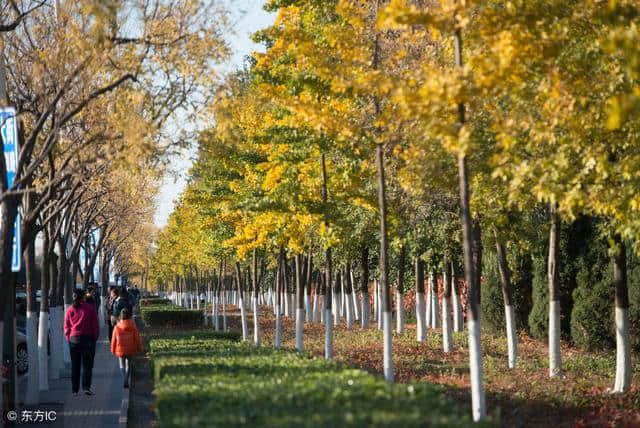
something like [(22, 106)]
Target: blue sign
[(9, 130)]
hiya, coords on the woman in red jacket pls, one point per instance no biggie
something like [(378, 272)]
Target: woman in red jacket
[(81, 330), (125, 342)]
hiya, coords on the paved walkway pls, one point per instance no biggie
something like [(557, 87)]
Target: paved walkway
[(102, 410)]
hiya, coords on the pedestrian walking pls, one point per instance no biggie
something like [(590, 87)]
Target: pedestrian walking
[(95, 296), (121, 301), (108, 310), (125, 343), (81, 330)]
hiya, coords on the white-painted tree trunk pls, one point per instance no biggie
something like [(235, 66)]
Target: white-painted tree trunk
[(32, 389), (314, 310), (349, 310), (328, 335), (341, 297), (243, 320), (623, 351), (307, 308), (366, 310), (43, 360), (375, 300), (256, 323), (475, 369), (336, 310), (380, 309), (435, 312), (447, 339), (299, 325), (512, 338), (214, 310), (55, 342), (322, 311), (224, 314), (286, 304), (278, 333), (457, 312), (399, 312), (292, 305), (420, 318), (388, 360), (555, 359), (429, 318), (356, 307)]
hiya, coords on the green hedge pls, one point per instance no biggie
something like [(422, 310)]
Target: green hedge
[(148, 301), (204, 381), (171, 315)]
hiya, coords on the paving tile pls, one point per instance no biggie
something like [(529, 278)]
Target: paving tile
[(101, 410)]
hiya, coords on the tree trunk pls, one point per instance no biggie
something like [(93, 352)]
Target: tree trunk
[(505, 280), (435, 312), (55, 316), (364, 287), (348, 295), (43, 319), (400, 292), (336, 301), (447, 340), (299, 302), (32, 389), (307, 288), (279, 279), (429, 301), (420, 312), (243, 314), (225, 293), (384, 266), (475, 345), (256, 308), (555, 358), (8, 211), (457, 306), (623, 343), (328, 341)]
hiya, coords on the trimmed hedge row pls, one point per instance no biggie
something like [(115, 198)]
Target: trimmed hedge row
[(171, 315), (148, 301), (205, 381)]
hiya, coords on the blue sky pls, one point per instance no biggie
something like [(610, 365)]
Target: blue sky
[(248, 17)]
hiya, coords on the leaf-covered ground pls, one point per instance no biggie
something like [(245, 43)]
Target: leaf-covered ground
[(525, 396)]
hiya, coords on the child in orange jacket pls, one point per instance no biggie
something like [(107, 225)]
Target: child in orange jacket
[(125, 343)]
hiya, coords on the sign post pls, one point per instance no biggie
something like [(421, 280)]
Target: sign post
[(9, 130)]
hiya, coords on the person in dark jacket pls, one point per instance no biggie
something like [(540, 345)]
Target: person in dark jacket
[(108, 310), (121, 301), (81, 329), (95, 296)]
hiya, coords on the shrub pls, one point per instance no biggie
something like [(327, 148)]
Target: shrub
[(539, 315), (171, 315), (207, 381), (592, 325), (154, 301)]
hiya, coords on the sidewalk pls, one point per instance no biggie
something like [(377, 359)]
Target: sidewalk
[(102, 410)]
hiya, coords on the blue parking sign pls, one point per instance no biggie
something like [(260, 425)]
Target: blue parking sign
[(9, 130)]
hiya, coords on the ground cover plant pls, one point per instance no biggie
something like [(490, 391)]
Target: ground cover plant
[(202, 380)]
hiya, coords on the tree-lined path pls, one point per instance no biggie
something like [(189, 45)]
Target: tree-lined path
[(107, 408)]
